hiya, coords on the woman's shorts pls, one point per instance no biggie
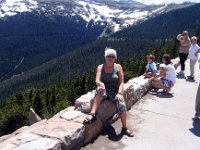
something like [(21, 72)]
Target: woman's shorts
[(121, 106), (167, 83)]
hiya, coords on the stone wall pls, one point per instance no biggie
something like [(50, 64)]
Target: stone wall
[(65, 130)]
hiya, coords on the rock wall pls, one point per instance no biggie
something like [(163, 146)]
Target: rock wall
[(65, 130)]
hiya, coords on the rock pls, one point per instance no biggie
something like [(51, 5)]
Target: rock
[(41, 144), (10, 141), (70, 115), (70, 133), (20, 130), (5, 137), (128, 94), (106, 110), (137, 93), (130, 102), (84, 103), (7, 146), (86, 107), (25, 138), (91, 130), (33, 117)]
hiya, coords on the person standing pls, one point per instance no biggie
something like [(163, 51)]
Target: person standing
[(197, 105), (193, 56), (184, 49)]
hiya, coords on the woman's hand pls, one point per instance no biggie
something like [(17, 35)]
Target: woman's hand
[(102, 89), (119, 97)]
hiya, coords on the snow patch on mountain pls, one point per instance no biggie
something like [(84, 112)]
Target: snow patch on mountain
[(12, 7), (100, 13)]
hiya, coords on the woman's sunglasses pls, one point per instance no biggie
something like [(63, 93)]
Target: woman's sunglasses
[(109, 56)]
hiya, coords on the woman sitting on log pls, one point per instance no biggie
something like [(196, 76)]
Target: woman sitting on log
[(110, 85)]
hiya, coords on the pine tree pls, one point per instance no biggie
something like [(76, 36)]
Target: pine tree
[(37, 104)]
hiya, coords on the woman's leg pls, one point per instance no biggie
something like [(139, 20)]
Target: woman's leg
[(96, 102), (192, 65), (158, 84), (125, 130), (123, 120), (182, 61)]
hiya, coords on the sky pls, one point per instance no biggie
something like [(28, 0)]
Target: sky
[(165, 1)]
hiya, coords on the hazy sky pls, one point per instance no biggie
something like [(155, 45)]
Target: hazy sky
[(165, 1)]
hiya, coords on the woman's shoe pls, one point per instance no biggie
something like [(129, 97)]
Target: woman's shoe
[(196, 117), (90, 119), (127, 132)]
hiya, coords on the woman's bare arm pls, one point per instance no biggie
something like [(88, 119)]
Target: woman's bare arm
[(98, 76), (121, 80), (179, 37)]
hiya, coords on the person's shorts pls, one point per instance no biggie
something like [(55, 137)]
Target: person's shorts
[(121, 106), (167, 83)]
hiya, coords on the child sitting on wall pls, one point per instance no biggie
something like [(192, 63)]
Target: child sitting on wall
[(151, 68)]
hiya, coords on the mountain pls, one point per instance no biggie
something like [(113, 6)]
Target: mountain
[(36, 31), (129, 42)]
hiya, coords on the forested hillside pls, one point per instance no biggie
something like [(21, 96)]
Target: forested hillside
[(129, 43), (30, 39)]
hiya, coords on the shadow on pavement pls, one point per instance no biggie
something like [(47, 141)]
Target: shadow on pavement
[(179, 76), (112, 135), (190, 80), (196, 128), (161, 95)]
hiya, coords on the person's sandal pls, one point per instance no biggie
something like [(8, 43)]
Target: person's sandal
[(90, 120), (165, 92), (127, 132)]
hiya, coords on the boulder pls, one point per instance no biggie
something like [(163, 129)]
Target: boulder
[(91, 130), (33, 117), (84, 103), (70, 115), (106, 110), (41, 144), (70, 134)]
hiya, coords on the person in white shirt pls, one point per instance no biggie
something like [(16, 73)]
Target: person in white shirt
[(193, 56), (167, 77)]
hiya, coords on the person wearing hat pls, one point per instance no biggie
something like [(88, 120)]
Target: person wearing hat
[(184, 49), (110, 86)]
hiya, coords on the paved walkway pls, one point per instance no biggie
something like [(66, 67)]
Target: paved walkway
[(159, 122)]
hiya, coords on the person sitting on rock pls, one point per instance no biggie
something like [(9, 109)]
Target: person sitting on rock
[(151, 68), (110, 86), (167, 77)]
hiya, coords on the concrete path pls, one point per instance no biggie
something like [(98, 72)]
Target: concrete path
[(159, 122)]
